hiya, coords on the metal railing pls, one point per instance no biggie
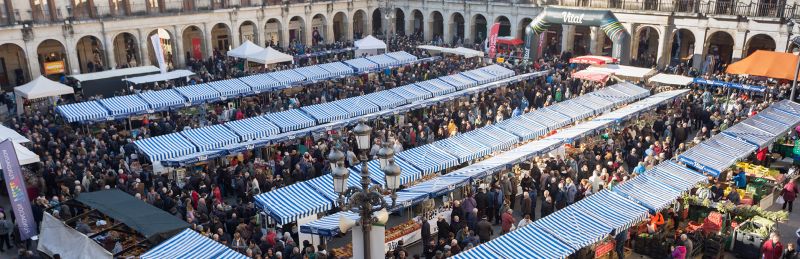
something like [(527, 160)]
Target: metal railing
[(728, 7)]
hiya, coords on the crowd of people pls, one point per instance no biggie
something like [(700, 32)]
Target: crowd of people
[(217, 199)]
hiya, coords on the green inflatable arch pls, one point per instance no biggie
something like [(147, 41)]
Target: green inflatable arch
[(601, 18)]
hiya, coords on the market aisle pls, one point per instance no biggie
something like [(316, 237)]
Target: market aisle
[(787, 229)]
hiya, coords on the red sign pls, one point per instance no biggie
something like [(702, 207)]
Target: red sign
[(603, 248), (197, 50), (493, 39), (542, 37)]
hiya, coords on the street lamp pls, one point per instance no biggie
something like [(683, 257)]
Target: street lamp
[(790, 29), (366, 201)]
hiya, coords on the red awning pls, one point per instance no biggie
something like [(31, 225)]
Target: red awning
[(593, 60), (507, 41), (596, 76)]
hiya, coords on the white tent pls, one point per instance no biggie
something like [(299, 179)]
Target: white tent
[(270, 56), (245, 50), (13, 135), (42, 87), (115, 73), (624, 72), (669, 79), (369, 45)]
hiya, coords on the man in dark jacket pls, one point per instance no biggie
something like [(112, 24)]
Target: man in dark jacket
[(426, 231), (481, 202), (443, 228), (485, 230)]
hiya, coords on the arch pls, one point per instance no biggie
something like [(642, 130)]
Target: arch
[(340, 27), (759, 42), (359, 24), (221, 37), (297, 28), (419, 22), (552, 40), (126, 50), (167, 45), (248, 31), (718, 51), (377, 22), (14, 65), (457, 27), (505, 26), (645, 53), (399, 22), (600, 18), (193, 43), (582, 40), (52, 51), (478, 28), (521, 27), (682, 47), (91, 54), (319, 29), (436, 24), (272, 32)]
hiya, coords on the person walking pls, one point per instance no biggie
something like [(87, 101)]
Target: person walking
[(507, 221), (789, 193), (772, 248), (485, 230), (6, 227)]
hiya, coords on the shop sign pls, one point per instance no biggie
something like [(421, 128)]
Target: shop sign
[(55, 67)]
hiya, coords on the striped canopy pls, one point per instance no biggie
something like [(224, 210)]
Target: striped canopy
[(261, 82), (327, 226), (475, 171), (779, 115), (581, 130), (771, 126), (599, 105), (402, 56), (404, 200), (788, 106), (523, 128), (648, 192), (362, 64), (190, 244), (193, 158), (731, 146), (529, 242), (231, 88), (303, 198), (199, 93), (462, 148), (612, 95), (290, 120), (478, 252), (558, 120), (325, 112), (165, 147), (459, 81), (211, 137), (385, 99), (439, 186), (383, 60), (612, 209), (480, 77), (631, 90), (707, 159), (408, 173), (428, 158), (253, 128), (676, 176), (84, 111), (498, 71), (573, 110), (163, 99), (573, 227), (750, 134), (125, 105), (246, 145), (493, 137), (324, 185), (411, 93), (287, 78), (356, 106), (337, 68), (313, 73), (437, 87)]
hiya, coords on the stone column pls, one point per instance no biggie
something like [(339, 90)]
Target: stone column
[(235, 40), (329, 35), (594, 44), (664, 47), (178, 43), (699, 45), (144, 49), (33, 63), (72, 55), (108, 47), (449, 32), (567, 37), (739, 45), (208, 41)]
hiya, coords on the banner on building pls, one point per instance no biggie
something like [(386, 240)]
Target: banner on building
[(158, 51), (197, 50), (541, 43), (17, 192), (493, 39), (55, 67)]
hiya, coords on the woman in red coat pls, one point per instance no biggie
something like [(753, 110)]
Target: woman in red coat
[(789, 193), (772, 248)]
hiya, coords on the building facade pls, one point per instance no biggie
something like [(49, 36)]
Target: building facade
[(78, 36)]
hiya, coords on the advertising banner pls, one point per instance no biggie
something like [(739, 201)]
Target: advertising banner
[(197, 50), (158, 51), (55, 67), (17, 192), (493, 39)]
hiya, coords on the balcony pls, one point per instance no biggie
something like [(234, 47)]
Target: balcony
[(692, 6)]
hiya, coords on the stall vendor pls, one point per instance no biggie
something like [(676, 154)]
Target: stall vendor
[(656, 221), (740, 180)]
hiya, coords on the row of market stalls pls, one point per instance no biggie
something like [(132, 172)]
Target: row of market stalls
[(199, 144), (420, 164), (122, 107), (608, 212), (121, 226)]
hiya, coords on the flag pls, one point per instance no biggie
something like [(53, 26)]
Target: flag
[(159, 52), (17, 192), (493, 39)]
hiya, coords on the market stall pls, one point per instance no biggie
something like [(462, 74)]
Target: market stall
[(190, 244), (38, 91), (369, 45)]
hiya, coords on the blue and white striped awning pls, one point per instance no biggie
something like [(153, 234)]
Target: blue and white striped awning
[(631, 90), (428, 158), (287, 78), (439, 186), (313, 73), (788, 106), (325, 112), (648, 192), (231, 88), (731, 146), (599, 105), (290, 120), (523, 128), (211, 137), (572, 109), (356, 106), (385, 99), (751, 134), (324, 185), (498, 71), (773, 127), (193, 158), (163, 100), (304, 200), (404, 200), (571, 134), (462, 150), (478, 252), (573, 227), (436, 87), (480, 77), (476, 171), (261, 83), (243, 146), (612, 209), (529, 242), (554, 119), (411, 93), (337, 68), (775, 114), (84, 111), (612, 95), (125, 105), (383, 60), (362, 64), (459, 81), (327, 226), (676, 176), (199, 93), (165, 147), (493, 137), (707, 159), (402, 56), (190, 244), (253, 128), (408, 173)]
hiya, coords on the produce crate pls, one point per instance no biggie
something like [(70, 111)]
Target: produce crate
[(749, 236)]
